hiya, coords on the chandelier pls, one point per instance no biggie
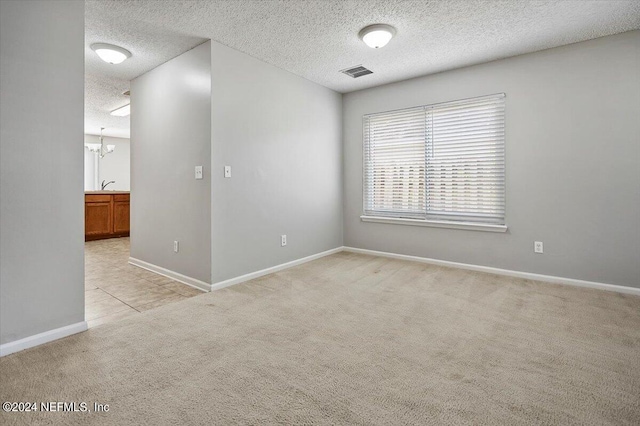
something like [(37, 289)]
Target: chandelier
[(100, 148)]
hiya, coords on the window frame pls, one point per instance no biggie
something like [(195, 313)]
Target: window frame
[(430, 222)]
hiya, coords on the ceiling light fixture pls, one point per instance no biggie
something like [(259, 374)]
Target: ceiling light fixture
[(100, 148), (122, 111), (110, 53), (377, 35)]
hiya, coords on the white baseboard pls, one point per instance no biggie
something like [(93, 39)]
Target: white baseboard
[(41, 338), (200, 285), (271, 270), (498, 271), (58, 333)]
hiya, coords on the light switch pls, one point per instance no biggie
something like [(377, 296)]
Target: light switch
[(227, 171), (198, 172)]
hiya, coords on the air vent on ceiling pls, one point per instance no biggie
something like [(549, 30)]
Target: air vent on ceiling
[(127, 93), (357, 71)]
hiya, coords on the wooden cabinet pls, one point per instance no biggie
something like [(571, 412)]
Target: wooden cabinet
[(106, 215), (121, 213)]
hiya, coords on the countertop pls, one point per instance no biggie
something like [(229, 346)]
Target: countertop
[(106, 192)]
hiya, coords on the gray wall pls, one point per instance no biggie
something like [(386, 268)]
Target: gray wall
[(170, 135), (41, 190), (281, 134), (573, 162)]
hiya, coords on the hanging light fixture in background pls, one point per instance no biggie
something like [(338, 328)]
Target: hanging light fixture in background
[(377, 35), (100, 148)]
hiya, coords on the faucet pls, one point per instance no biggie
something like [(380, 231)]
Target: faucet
[(104, 185)]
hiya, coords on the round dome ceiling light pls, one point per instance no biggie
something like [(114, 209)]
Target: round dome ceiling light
[(110, 53), (377, 35)]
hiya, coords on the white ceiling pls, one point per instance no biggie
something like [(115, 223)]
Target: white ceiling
[(102, 95), (316, 39), (151, 45)]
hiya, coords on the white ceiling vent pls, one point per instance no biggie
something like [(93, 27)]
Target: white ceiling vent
[(357, 71)]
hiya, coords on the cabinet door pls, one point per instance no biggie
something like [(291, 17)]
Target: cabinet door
[(121, 217), (97, 218)]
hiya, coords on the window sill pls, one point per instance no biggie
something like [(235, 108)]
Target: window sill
[(437, 223)]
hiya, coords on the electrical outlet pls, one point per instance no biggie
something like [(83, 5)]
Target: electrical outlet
[(227, 171), (537, 247), (198, 172), (283, 240), (176, 246)]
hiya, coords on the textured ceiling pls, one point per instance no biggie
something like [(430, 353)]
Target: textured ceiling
[(150, 44), (316, 39), (102, 95)]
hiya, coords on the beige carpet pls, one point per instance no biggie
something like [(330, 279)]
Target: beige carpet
[(351, 339)]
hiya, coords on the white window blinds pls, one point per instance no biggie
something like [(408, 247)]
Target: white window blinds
[(437, 162)]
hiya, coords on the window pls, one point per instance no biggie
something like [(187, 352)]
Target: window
[(442, 163)]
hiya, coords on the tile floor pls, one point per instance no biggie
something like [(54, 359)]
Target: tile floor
[(115, 290)]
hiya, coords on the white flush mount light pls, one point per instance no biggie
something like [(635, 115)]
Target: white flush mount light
[(110, 53), (377, 35), (122, 111)]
